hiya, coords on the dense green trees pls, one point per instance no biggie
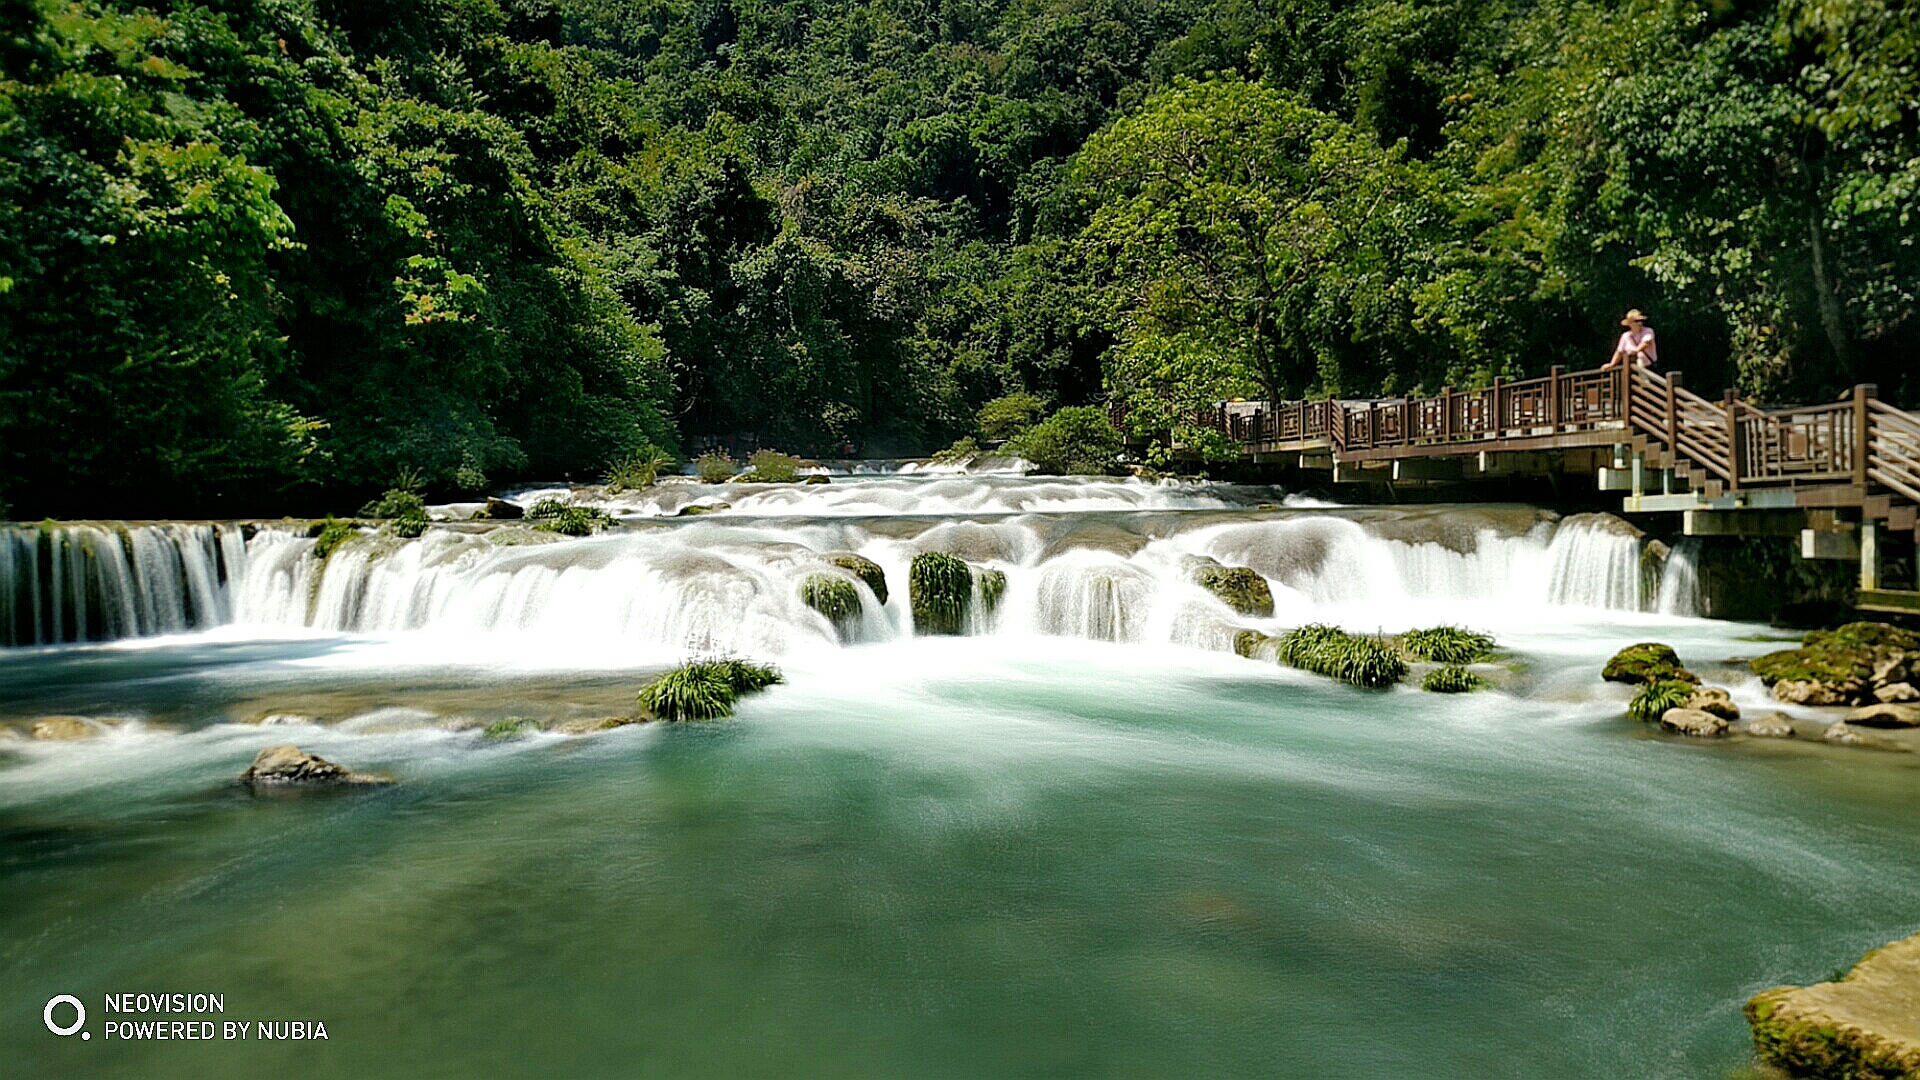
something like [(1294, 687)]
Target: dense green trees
[(260, 252)]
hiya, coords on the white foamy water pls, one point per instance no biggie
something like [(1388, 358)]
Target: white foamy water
[(1097, 560)]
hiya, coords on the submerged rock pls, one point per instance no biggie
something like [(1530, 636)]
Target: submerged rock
[(66, 728), (290, 765), (1865, 1025), (1886, 716), (1693, 722), (816, 478), (1841, 733), (1774, 725), (1239, 587), (1714, 700), (1649, 661), (592, 724), (502, 510)]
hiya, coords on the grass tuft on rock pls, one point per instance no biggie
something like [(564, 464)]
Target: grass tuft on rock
[(1655, 698), (513, 727), (772, 467), (833, 596), (1448, 645), (866, 570), (705, 689), (1646, 662), (575, 521), (1451, 679), (332, 534), (1351, 658), (993, 586), (714, 467), (941, 590)]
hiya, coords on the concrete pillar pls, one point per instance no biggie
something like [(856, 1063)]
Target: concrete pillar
[(1639, 474), (1869, 555)]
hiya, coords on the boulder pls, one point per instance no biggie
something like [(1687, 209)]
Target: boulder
[(1892, 668), (1240, 588), (1693, 722), (1900, 691), (1774, 725), (502, 510), (65, 728), (1841, 733), (1885, 716), (865, 569), (290, 765), (1648, 661), (816, 478), (1712, 699), (1864, 1025), (1807, 692)]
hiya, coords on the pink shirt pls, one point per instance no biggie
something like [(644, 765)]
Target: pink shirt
[(1631, 340)]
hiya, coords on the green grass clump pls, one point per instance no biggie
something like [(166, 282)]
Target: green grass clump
[(964, 449), (1448, 645), (638, 469), (332, 534), (401, 507), (546, 509), (833, 596), (1646, 662), (1331, 651), (1240, 587), (714, 467), (772, 467), (705, 689), (941, 590), (1655, 698), (513, 727), (1452, 679), (576, 521)]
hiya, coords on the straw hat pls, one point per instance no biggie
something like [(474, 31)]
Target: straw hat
[(1633, 316)]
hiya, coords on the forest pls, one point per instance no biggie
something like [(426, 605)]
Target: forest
[(264, 256)]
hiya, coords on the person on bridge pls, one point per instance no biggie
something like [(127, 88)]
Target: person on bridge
[(1636, 345)]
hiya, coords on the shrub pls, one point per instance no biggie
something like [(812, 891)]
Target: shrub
[(546, 509), (1646, 662), (468, 478), (705, 689), (773, 467), (396, 503), (1331, 651), (964, 449), (1655, 698), (714, 467), (866, 570), (638, 469), (409, 527), (332, 534), (833, 596), (1452, 679), (1240, 587), (1076, 440), (576, 521), (1448, 645), (1006, 416), (940, 588)]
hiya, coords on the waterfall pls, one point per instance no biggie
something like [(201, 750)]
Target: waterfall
[(1680, 580), (1124, 576), (97, 583)]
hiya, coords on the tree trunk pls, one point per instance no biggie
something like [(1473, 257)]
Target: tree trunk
[(1832, 319)]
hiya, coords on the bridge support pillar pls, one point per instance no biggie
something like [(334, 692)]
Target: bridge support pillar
[(1639, 474), (1869, 555)]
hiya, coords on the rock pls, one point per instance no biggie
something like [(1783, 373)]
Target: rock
[(502, 510), (1648, 661), (1864, 1025), (590, 725), (65, 728), (1892, 668), (1693, 722), (278, 765), (1774, 725), (1841, 733), (1712, 699), (941, 590), (695, 509), (1885, 716), (835, 597), (816, 478), (272, 718), (865, 569), (1240, 588), (1900, 691), (1807, 692)]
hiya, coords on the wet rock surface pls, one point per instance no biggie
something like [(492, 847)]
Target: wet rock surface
[(1693, 722), (281, 766), (1774, 725), (1866, 1025)]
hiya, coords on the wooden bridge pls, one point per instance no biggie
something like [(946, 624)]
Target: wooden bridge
[(1842, 476)]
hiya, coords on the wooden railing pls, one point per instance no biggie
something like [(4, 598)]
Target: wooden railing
[(1856, 441)]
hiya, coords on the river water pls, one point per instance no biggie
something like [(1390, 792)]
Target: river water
[(1084, 840)]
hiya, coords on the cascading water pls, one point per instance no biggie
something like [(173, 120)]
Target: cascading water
[(1082, 570), (1680, 580), (73, 583)]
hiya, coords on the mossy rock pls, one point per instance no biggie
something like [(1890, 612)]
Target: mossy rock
[(1828, 666), (1646, 662), (332, 533), (993, 586), (1856, 1026), (833, 596), (1239, 587), (1251, 644), (865, 569), (513, 727), (940, 588), (1863, 635)]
